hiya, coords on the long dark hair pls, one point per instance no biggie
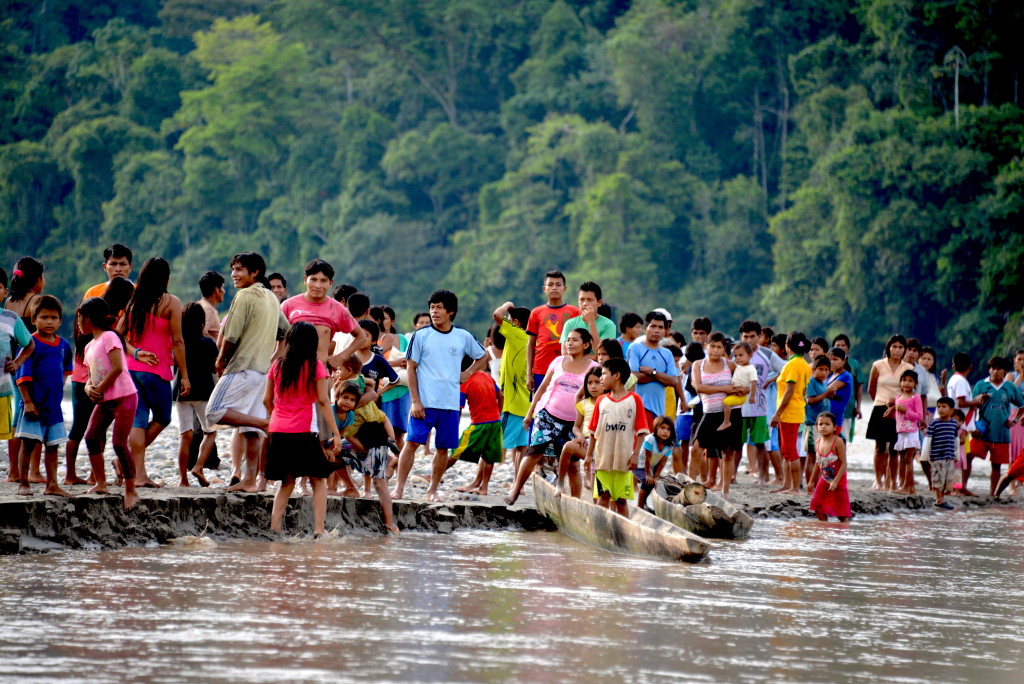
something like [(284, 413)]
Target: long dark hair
[(152, 286), (798, 343), (97, 312), (31, 271), (193, 320), (299, 361), (118, 293)]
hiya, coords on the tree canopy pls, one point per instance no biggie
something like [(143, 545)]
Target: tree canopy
[(830, 165)]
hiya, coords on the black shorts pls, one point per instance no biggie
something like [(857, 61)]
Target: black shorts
[(716, 441), (882, 429), (297, 454)]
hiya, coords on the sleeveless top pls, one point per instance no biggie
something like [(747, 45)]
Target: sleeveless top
[(560, 398), (156, 338), (828, 463), (713, 402), (888, 385)]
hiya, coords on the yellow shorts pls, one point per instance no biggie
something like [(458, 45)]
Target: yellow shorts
[(617, 483), (6, 415), (735, 400)]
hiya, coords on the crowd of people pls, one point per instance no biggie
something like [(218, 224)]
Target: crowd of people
[(320, 388)]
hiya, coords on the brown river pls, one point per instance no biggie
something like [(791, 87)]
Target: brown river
[(916, 597)]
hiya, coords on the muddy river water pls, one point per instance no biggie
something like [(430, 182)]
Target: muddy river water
[(916, 597)]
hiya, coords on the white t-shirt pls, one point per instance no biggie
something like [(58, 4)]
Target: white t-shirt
[(957, 387)]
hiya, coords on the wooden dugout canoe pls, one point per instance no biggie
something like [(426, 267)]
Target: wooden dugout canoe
[(716, 518), (641, 534)]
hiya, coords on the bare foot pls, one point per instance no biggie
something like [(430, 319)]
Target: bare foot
[(510, 500), (13, 477), (791, 491), (148, 484), (54, 490), (243, 487), (967, 492), (776, 482), (203, 482), (876, 485), (98, 489), (393, 529), (725, 425), (777, 491), (468, 488), (261, 484), (25, 490), (115, 465), (36, 478), (434, 496), (482, 491), (91, 480), (75, 480), (395, 494), (130, 500), (184, 482)]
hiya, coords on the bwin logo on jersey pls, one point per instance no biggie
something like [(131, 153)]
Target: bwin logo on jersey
[(617, 427)]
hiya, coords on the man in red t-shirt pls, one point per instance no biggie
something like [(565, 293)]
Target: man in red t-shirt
[(545, 329)]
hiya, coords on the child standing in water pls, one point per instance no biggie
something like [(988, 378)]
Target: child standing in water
[(831, 496), (909, 412), (296, 382), (110, 387)]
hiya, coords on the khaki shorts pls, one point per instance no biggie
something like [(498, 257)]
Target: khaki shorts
[(942, 475)]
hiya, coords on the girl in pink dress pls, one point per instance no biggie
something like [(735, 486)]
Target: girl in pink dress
[(831, 497)]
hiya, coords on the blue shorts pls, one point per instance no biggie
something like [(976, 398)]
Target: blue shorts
[(397, 411), (537, 380), (50, 435), (154, 396), (514, 435), (684, 426), (774, 445), (445, 423)]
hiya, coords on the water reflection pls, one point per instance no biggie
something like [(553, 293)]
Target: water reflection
[(910, 598)]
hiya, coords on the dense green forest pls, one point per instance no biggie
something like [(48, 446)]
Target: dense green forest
[(828, 165)]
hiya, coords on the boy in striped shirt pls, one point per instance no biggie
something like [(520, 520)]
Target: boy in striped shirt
[(945, 435)]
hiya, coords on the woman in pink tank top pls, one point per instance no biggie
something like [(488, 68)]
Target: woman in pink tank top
[(555, 405), (152, 323)]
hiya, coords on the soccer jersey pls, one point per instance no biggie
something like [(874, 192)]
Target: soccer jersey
[(615, 425), (438, 357), (513, 370), (46, 369), (546, 324), (481, 394), (996, 409), (377, 369)]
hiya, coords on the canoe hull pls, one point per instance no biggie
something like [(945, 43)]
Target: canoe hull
[(641, 534), (716, 518)]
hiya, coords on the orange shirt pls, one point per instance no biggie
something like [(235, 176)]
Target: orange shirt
[(96, 290)]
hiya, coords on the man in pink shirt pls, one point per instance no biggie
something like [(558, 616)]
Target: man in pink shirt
[(327, 315)]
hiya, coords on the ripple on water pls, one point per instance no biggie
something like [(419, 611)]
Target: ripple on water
[(904, 598)]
